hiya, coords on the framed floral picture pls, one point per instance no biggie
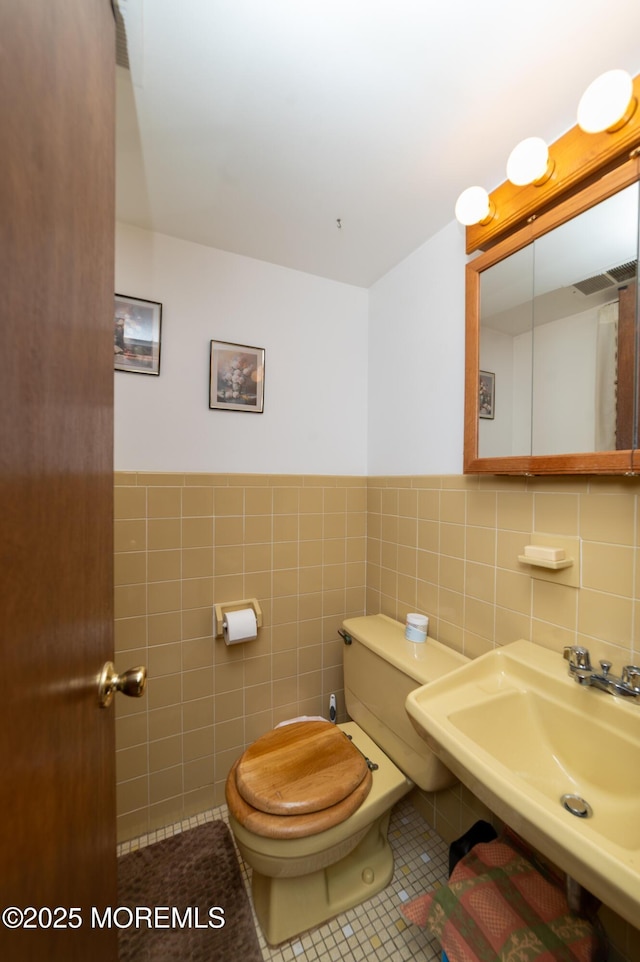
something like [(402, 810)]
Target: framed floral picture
[(236, 377), (136, 335), (487, 394)]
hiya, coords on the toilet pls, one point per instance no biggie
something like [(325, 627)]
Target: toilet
[(310, 802)]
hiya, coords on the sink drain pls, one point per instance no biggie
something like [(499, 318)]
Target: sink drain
[(577, 806)]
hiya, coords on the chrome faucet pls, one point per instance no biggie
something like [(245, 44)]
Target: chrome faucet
[(580, 668)]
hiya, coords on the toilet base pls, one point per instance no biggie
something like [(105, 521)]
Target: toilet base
[(286, 907)]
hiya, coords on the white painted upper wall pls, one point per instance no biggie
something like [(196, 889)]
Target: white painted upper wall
[(357, 382), (315, 335), (416, 361)]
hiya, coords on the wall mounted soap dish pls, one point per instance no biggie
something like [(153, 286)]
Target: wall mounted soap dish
[(542, 563), (545, 556)]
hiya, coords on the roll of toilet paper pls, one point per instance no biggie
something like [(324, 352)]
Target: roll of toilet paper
[(239, 626)]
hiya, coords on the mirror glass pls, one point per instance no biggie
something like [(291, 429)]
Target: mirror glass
[(557, 338)]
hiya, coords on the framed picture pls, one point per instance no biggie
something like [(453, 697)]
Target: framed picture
[(487, 390), (136, 335), (236, 377)]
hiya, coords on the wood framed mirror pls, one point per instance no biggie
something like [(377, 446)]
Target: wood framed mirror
[(551, 380)]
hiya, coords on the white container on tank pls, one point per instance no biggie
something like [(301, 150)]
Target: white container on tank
[(416, 627)]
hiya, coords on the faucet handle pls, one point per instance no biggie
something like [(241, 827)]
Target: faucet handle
[(631, 677), (578, 658)]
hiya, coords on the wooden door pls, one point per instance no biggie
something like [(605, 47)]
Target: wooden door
[(57, 786)]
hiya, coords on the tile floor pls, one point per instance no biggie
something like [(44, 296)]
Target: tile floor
[(375, 930)]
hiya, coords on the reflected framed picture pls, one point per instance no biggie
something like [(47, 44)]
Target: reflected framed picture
[(236, 377), (136, 335), (487, 394)]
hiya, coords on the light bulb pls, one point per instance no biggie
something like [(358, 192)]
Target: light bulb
[(473, 206), (528, 163), (607, 103)]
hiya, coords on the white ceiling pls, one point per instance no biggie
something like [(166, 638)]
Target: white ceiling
[(254, 125)]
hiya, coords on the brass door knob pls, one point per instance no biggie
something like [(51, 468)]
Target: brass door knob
[(132, 682)]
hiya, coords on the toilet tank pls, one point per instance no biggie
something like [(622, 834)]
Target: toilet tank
[(380, 669)]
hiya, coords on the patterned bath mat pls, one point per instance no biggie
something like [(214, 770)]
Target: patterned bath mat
[(186, 900)]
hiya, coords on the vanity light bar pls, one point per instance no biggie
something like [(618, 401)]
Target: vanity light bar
[(570, 161)]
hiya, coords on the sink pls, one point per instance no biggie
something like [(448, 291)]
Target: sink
[(522, 735)]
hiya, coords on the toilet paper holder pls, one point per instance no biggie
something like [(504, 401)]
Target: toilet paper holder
[(220, 610)]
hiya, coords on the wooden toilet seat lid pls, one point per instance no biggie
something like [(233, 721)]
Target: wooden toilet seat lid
[(292, 826), (302, 767)]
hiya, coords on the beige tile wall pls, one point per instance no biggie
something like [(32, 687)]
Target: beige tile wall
[(306, 547), (448, 547), (185, 542), (444, 545)]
